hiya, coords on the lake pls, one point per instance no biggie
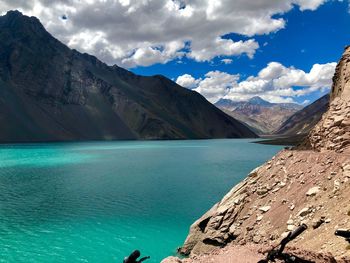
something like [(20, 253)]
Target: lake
[(98, 201)]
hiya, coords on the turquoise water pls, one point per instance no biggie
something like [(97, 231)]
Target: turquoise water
[(98, 201)]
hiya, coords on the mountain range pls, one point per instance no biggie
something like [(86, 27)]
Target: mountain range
[(261, 116), (304, 120), (49, 92)]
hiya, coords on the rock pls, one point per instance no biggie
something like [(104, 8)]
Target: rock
[(317, 223), (249, 228), (275, 190), (336, 186), (256, 239), (235, 231), (262, 191), (328, 220), (290, 227), (346, 170), (338, 120), (305, 211), (259, 218), (313, 191), (264, 209)]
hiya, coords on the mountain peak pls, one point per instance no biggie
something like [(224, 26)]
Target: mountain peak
[(15, 21), (259, 101), (13, 13), (52, 93)]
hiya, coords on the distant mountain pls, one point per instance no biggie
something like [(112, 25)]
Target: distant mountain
[(50, 92), (260, 115), (304, 120)]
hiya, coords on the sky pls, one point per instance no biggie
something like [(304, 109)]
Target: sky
[(280, 50)]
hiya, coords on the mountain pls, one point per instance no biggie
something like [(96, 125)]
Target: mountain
[(304, 120), (49, 92), (260, 115), (308, 184)]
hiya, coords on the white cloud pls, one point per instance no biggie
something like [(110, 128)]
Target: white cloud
[(215, 85), (207, 50), (187, 81), (227, 61), (144, 32), (275, 83)]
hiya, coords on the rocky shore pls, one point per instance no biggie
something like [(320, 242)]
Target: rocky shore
[(307, 184)]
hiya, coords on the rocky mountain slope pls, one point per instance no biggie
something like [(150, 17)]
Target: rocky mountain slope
[(260, 115), (50, 92), (309, 184), (304, 120)]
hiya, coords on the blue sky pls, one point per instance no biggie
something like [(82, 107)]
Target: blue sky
[(309, 37), (283, 51)]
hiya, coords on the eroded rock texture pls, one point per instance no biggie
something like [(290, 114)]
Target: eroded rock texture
[(302, 185), (333, 131)]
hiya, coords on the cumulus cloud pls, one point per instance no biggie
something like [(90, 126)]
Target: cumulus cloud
[(214, 86), (275, 83), (145, 32), (187, 81)]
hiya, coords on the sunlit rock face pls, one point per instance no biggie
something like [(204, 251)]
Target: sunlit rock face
[(307, 184), (333, 131)]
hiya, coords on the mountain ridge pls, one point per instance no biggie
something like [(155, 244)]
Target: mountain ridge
[(260, 115), (304, 120), (49, 92)]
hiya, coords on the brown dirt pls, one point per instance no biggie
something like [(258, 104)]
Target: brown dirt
[(252, 253)]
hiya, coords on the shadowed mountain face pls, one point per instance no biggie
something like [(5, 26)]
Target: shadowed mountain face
[(303, 121), (50, 92), (260, 115)]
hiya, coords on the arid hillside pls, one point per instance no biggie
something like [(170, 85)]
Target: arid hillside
[(308, 184)]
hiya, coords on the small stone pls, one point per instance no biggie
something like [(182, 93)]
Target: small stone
[(313, 191), (290, 222), (292, 207), (305, 211), (317, 223), (256, 239), (262, 191), (264, 209), (290, 227), (275, 190), (249, 228), (259, 218), (336, 185)]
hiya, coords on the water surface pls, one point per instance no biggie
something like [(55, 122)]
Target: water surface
[(98, 201)]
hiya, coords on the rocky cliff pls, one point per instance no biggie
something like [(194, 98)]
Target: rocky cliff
[(333, 131), (49, 92), (309, 184)]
